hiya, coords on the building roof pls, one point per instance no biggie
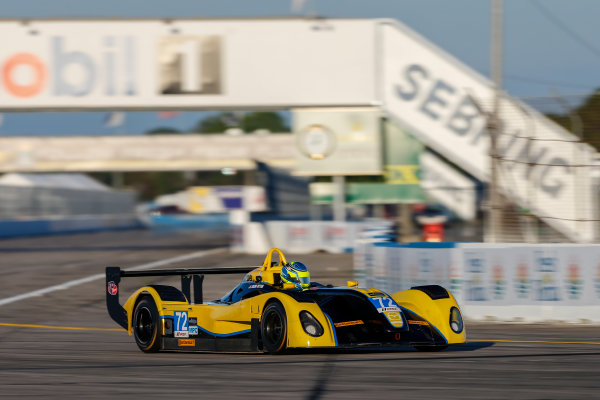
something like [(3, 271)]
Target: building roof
[(59, 180)]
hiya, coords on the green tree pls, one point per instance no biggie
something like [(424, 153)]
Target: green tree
[(151, 184), (589, 115), (249, 122), (163, 130), (264, 120), (213, 124), (148, 184)]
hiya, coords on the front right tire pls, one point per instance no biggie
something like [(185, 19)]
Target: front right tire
[(146, 325), (273, 328)]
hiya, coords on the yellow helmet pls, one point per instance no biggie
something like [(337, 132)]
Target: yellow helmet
[(296, 273)]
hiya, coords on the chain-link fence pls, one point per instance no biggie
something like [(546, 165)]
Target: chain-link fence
[(548, 169)]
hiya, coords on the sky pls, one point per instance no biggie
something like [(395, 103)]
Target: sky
[(550, 46)]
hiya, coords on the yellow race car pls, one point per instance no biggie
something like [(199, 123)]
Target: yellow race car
[(263, 313)]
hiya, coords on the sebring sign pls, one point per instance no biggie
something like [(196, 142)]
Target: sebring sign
[(438, 99)]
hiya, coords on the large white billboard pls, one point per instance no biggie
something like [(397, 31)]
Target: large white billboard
[(199, 64)]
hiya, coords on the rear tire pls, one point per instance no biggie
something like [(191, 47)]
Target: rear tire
[(273, 328), (146, 325)]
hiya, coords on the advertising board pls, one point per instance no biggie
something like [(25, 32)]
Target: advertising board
[(195, 63), (504, 281)]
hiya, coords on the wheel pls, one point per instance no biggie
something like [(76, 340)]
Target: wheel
[(273, 328), (431, 348), (146, 325)]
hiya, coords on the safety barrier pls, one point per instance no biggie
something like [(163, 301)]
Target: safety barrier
[(311, 236), (504, 282), (48, 226), (303, 236)]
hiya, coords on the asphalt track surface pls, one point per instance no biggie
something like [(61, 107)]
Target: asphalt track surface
[(60, 342)]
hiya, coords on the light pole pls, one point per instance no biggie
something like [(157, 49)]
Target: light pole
[(495, 202)]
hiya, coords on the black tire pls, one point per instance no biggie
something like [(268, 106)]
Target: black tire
[(431, 348), (146, 326), (273, 328)]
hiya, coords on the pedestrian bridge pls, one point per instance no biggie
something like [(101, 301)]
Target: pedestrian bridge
[(191, 152), (284, 64)]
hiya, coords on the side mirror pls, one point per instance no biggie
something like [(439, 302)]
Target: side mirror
[(288, 286), (352, 283)]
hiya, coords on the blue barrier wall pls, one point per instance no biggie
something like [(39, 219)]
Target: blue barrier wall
[(37, 227)]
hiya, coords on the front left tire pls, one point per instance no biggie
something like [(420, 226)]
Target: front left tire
[(273, 328)]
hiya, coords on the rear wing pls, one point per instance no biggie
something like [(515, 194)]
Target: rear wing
[(114, 275)]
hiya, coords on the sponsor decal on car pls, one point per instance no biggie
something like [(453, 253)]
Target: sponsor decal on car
[(112, 288), (186, 342), (348, 323), (181, 324), (260, 286), (193, 330), (383, 304), (388, 307), (415, 322), (193, 321)]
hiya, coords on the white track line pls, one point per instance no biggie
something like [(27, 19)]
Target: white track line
[(76, 282)]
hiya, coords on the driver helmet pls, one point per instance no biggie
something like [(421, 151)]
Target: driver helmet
[(295, 272)]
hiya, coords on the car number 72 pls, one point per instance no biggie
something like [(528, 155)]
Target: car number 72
[(181, 320), (384, 304)]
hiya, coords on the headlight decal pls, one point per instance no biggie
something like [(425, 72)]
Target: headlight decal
[(456, 321), (310, 324)]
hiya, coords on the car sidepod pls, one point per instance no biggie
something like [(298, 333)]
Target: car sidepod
[(433, 316)]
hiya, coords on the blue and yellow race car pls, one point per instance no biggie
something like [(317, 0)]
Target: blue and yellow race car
[(268, 313)]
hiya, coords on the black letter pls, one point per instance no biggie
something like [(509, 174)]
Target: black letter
[(434, 99), (556, 187), (461, 121), (414, 88)]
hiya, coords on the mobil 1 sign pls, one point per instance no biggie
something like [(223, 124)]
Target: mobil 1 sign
[(440, 101), (199, 64)]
